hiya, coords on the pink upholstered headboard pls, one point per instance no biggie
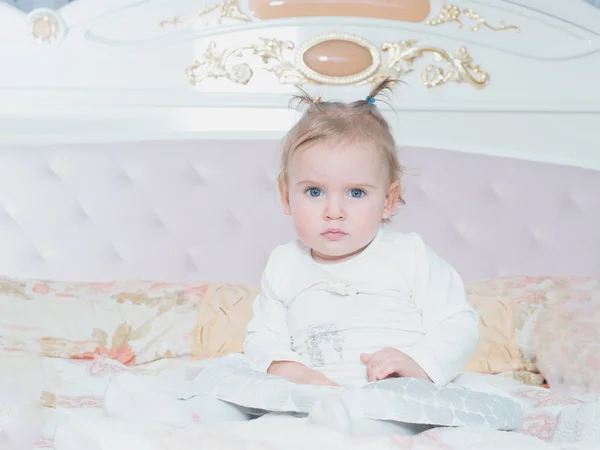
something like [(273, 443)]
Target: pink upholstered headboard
[(500, 216), (208, 210)]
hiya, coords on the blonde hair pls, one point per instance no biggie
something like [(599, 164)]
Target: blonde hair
[(358, 121)]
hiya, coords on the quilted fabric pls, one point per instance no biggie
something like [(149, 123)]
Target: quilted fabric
[(129, 322), (137, 322), (233, 379), (567, 341), (511, 308), (208, 210), (498, 350), (68, 388)]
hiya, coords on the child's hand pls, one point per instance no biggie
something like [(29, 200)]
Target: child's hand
[(391, 362), (299, 373)]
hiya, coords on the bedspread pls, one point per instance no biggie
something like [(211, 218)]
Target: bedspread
[(79, 409)]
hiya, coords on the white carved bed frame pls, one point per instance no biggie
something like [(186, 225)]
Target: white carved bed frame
[(128, 151)]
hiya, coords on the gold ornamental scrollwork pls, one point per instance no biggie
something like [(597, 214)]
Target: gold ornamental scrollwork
[(227, 9), (238, 64), (231, 63), (459, 68), (452, 13)]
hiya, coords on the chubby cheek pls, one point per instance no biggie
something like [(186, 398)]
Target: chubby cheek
[(306, 214), (367, 218)]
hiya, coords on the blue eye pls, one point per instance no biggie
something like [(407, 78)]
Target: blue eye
[(357, 193), (314, 192)]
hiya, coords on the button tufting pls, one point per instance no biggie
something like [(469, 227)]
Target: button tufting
[(537, 236), (198, 181), (581, 204), (462, 231), (195, 176), (142, 198), (81, 212), (416, 193), (50, 172), (118, 254), (272, 176), (422, 186), (37, 256), (157, 220), (265, 258), (233, 220), (191, 266), (200, 172), (498, 189), (501, 271), (125, 176), (44, 254)]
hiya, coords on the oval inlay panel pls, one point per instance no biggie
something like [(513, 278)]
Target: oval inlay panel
[(337, 58), (403, 10)]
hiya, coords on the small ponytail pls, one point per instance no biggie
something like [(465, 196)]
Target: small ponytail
[(383, 87), (305, 99)]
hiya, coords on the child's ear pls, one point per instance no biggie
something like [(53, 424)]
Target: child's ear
[(391, 200), (285, 197)]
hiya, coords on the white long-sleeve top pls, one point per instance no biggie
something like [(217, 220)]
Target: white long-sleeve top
[(396, 293)]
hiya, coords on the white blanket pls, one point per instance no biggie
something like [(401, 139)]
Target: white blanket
[(101, 405)]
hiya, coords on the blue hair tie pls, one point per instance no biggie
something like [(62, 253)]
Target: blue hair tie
[(370, 99)]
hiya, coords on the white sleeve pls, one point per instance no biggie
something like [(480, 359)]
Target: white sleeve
[(452, 324), (267, 334)]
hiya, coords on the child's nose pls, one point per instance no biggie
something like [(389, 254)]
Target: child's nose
[(334, 209)]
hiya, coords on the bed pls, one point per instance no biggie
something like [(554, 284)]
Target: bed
[(138, 161)]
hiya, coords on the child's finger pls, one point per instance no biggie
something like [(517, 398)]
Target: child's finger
[(376, 358), (386, 370), (372, 372), (369, 371), (384, 374), (376, 366), (364, 357)]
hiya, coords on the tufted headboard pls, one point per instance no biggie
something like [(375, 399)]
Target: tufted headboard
[(138, 138), (208, 210)]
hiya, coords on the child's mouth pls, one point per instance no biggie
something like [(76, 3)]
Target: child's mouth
[(334, 234)]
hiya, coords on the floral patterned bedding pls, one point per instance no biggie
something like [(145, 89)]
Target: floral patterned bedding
[(132, 322), (542, 327), (61, 342), (70, 389)]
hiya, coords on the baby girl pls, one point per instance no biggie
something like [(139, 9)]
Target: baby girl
[(352, 301)]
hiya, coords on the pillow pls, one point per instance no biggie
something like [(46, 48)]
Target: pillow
[(567, 342), (133, 322), (498, 350), (233, 379), (509, 308), (221, 320)]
